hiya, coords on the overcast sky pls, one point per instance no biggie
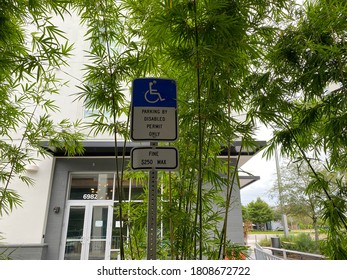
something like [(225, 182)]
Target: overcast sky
[(260, 166)]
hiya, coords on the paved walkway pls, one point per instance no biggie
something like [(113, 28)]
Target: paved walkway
[(252, 239)]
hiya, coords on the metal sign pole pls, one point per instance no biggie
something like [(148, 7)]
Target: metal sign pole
[(152, 213), (153, 118)]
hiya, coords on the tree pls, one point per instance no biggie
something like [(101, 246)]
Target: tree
[(301, 94), (245, 214), (208, 47), (292, 193), (27, 79), (259, 212)]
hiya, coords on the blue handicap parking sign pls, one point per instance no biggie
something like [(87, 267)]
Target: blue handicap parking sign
[(154, 92), (154, 110)]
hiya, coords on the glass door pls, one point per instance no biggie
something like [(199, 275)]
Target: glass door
[(88, 217), (75, 233), (97, 238), (88, 231)]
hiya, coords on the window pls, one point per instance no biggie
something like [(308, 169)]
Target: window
[(100, 190), (91, 186)]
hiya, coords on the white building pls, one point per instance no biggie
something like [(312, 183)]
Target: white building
[(62, 203)]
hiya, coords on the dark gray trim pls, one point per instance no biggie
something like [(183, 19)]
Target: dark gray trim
[(251, 178), (90, 161), (107, 148), (24, 251), (62, 169)]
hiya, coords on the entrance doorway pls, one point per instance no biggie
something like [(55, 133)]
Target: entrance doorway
[(91, 226), (87, 231), (88, 217)]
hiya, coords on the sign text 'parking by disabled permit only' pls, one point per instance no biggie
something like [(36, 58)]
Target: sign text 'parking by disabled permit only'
[(154, 110)]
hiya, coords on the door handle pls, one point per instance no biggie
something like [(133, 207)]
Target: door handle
[(84, 240)]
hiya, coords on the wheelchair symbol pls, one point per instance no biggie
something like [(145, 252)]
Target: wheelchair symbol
[(152, 95)]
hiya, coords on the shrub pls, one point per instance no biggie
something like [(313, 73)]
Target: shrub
[(300, 242), (265, 242)]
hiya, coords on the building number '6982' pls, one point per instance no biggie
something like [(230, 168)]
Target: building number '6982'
[(90, 196)]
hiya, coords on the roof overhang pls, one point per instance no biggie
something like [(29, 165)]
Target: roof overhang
[(247, 180), (103, 148), (108, 148), (245, 154)]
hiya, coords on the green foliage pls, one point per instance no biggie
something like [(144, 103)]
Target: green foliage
[(227, 57), (302, 242), (208, 47), (245, 214), (334, 246), (259, 211), (10, 199), (266, 242), (294, 200), (31, 49), (236, 252), (300, 92)]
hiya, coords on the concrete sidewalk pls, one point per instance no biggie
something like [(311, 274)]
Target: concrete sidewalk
[(252, 239)]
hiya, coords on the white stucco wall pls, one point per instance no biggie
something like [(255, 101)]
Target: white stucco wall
[(25, 225)]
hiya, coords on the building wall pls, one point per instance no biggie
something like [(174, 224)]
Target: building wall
[(35, 224), (235, 222), (25, 225), (35, 231), (64, 166), (30, 219)]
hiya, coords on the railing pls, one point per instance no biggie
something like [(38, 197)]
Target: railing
[(267, 253), (295, 255), (261, 254)]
